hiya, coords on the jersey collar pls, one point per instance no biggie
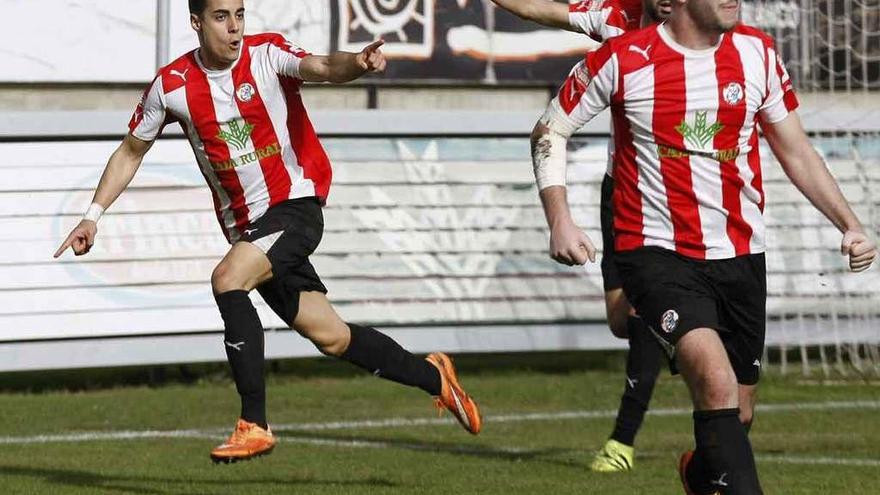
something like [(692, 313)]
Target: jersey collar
[(688, 52), (198, 57)]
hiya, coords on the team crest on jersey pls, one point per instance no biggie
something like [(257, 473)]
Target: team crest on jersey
[(669, 321), (733, 93), (245, 92), (582, 73)]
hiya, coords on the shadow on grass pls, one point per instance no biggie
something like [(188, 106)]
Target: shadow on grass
[(153, 484), (195, 374), (564, 457)]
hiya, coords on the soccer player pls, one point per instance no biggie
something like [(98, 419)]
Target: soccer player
[(602, 20), (238, 100), (686, 98)]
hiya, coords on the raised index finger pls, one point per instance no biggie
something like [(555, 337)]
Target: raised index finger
[(374, 45), (64, 246)]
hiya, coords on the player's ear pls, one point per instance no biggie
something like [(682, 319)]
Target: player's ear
[(196, 23)]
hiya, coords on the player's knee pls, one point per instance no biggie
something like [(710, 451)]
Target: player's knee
[(223, 279), (718, 389)]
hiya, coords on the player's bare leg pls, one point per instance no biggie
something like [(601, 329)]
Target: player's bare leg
[(618, 310), (375, 352), (241, 270), (723, 460), (642, 369), (747, 400)]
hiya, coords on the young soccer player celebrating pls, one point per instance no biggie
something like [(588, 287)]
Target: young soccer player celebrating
[(238, 101)]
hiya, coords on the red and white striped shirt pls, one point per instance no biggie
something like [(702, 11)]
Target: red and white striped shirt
[(247, 126), (604, 19), (687, 170)]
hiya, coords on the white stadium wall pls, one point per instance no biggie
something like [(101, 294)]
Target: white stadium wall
[(439, 241)]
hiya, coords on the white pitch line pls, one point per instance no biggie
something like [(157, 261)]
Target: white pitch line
[(561, 415), (408, 422), (379, 445)]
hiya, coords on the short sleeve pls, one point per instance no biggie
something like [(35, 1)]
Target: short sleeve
[(586, 92), (780, 99), (285, 57), (149, 116)]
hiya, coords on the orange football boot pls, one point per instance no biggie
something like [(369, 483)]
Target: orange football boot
[(453, 397), (248, 440), (682, 469)]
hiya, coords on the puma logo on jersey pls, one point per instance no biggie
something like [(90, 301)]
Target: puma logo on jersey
[(641, 51), (250, 231), (237, 346), (182, 75)]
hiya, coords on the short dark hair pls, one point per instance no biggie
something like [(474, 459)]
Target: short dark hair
[(197, 6)]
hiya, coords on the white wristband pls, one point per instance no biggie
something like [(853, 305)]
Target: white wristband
[(549, 161), (94, 212)]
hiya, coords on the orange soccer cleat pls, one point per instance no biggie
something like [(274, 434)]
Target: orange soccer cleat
[(453, 397), (248, 440), (683, 462)]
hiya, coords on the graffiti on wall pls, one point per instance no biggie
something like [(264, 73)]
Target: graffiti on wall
[(469, 40)]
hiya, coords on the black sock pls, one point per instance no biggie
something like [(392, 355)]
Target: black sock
[(382, 356), (642, 368), (244, 343), (723, 460)]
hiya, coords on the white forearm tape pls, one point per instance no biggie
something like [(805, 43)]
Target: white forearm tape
[(549, 153), (94, 212)]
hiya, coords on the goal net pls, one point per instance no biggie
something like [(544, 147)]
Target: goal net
[(828, 45)]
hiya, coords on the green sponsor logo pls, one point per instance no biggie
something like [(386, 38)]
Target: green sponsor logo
[(236, 133), (700, 134)]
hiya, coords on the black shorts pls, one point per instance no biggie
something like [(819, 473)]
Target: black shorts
[(674, 295), (288, 233), (610, 275)]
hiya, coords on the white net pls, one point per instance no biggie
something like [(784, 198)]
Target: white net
[(816, 307), (821, 316), (828, 45)]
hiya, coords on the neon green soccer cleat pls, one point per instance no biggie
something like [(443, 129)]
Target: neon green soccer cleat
[(614, 457)]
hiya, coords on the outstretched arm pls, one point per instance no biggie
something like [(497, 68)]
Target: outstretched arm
[(545, 12), (118, 173), (807, 171), (342, 67)]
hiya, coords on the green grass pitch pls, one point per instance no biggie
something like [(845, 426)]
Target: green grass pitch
[(552, 411)]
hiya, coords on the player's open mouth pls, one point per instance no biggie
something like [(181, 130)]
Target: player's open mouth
[(235, 44)]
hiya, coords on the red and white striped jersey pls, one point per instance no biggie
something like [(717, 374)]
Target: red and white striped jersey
[(247, 125), (687, 170), (604, 19)]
